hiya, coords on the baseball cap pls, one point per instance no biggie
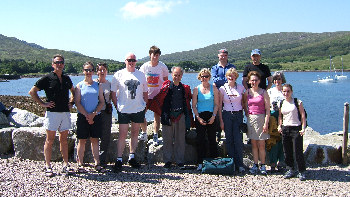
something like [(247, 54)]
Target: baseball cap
[(223, 51), (255, 51)]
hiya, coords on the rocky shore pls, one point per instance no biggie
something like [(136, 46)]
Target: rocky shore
[(24, 177)]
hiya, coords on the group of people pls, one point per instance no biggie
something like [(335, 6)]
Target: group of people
[(215, 107)]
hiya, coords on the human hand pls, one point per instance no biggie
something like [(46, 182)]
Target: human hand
[(50, 104), (302, 132), (265, 128), (211, 120)]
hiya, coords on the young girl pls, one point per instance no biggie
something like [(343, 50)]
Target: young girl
[(292, 126)]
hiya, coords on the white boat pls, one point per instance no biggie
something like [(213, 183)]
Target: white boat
[(328, 79), (342, 76)]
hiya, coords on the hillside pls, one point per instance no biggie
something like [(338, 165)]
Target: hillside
[(286, 50)]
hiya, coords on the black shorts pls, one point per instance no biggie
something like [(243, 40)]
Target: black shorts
[(86, 130), (124, 118)]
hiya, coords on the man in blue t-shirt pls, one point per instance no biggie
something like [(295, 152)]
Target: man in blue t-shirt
[(219, 70)]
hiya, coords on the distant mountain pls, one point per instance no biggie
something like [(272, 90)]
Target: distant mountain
[(276, 48), (14, 49)]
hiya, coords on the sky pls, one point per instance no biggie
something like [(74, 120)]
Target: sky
[(109, 29)]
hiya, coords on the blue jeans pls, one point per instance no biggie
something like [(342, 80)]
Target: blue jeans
[(234, 137)]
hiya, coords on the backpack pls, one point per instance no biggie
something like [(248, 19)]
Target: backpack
[(296, 105)]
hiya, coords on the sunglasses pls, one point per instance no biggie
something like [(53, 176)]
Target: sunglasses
[(88, 70), (131, 60), (206, 76), (58, 62), (278, 78)]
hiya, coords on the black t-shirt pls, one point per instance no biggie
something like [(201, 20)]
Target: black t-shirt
[(262, 69), (177, 98), (55, 91)]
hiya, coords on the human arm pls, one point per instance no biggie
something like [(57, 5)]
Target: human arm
[(194, 106), (221, 98), (145, 96), (216, 105), (269, 82), (34, 94), (114, 98), (303, 119), (214, 73), (71, 100), (244, 82), (245, 103), (279, 128), (267, 112)]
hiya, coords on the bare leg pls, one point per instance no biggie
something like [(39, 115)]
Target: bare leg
[(95, 150), (144, 126), (81, 151), (255, 151), (262, 152), (156, 123), (50, 138), (64, 146), (123, 130), (134, 133)]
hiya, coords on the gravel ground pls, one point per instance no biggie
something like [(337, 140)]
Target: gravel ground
[(26, 178)]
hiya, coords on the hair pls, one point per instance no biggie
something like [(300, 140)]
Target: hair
[(174, 67), (89, 63), (204, 70), (102, 64), (253, 73), (57, 55), (279, 74), (232, 71), (154, 49), (287, 85)]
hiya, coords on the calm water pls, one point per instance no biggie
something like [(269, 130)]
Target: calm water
[(324, 102)]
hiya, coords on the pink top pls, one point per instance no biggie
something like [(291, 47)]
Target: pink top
[(256, 105)]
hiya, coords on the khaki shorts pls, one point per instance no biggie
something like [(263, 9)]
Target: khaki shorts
[(57, 121), (255, 127)]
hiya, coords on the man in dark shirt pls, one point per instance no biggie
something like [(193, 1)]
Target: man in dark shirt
[(263, 70), (56, 86)]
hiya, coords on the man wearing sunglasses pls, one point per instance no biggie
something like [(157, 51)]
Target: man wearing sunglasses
[(130, 103), (57, 117)]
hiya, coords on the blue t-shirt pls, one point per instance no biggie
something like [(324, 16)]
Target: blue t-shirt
[(219, 74), (205, 102), (89, 96)]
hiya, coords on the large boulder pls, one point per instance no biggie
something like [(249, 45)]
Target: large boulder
[(29, 143), (6, 145), (22, 118), (323, 149), (4, 122)]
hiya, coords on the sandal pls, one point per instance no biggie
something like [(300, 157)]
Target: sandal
[(100, 169), (81, 169), (49, 172), (67, 170)]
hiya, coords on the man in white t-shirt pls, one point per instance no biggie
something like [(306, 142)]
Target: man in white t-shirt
[(156, 73), (130, 103)]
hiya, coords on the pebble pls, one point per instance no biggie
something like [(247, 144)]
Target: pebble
[(27, 178)]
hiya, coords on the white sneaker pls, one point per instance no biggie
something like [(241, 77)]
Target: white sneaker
[(200, 166), (143, 136)]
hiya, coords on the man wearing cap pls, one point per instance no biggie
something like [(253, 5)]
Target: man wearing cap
[(218, 71), (262, 69)]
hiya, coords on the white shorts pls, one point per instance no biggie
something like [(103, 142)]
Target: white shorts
[(57, 121)]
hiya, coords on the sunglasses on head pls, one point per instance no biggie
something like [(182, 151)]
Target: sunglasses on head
[(131, 60), (88, 69), (58, 62)]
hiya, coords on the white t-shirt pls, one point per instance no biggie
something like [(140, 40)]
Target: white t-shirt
[(154, 77), (130, 87), (290, 113), (276, 97), (232, 97)]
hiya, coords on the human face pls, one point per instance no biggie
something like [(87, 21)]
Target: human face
[(223, 57), (101, 72), (254, 81), (287, 92), (205, 77), (177, 75), (130, 62), (256, 59), (277, 81), (88, 71), (58, 64), (154, 57), (231, 79)]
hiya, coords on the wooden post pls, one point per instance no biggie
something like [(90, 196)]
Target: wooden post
[(345, 133)]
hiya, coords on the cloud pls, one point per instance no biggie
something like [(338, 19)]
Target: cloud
[(134, 10)]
